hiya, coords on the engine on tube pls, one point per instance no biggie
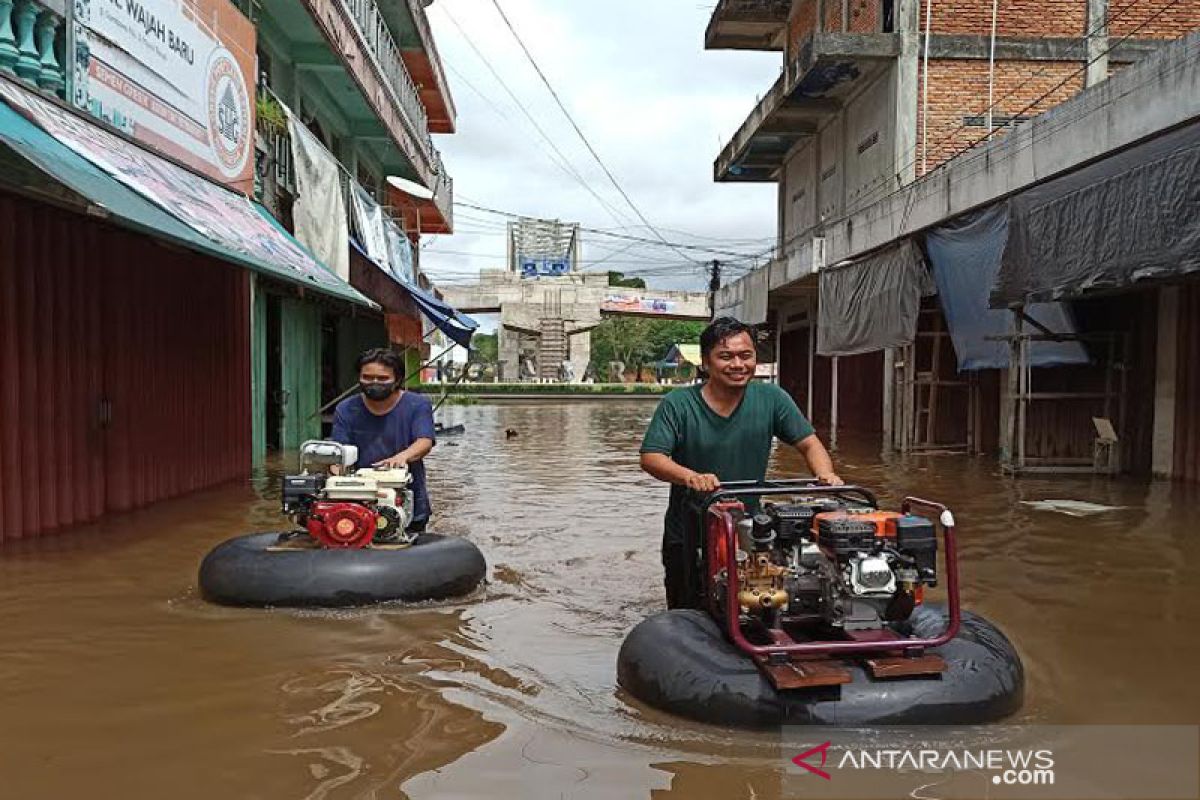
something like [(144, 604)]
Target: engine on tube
[(824, 562), (350, 510)]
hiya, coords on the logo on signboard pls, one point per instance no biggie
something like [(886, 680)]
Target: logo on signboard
[(229, 121)]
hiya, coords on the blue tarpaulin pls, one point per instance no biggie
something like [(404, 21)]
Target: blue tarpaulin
[(459, 327), (965, 254)]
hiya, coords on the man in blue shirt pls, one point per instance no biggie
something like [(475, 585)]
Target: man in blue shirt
[(389, 426)]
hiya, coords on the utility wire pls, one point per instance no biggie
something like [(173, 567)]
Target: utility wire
[(566, 165), (612, 179), (626, 237)]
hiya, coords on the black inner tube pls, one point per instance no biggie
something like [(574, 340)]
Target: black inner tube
[(680, 662), (244, 572)]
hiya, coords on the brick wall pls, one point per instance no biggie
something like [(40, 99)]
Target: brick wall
[(833, 15), (1174, 21), (1013, 18), (801, 24), (865, 16), (959, 89)]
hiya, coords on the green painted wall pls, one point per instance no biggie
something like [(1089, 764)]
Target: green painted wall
[(354, 335), (300, 344), (258, 371)]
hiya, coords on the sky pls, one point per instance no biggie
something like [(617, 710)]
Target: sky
[(654, 104)]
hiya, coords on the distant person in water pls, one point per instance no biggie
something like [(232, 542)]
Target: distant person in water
[(390, 427), (720, 430)]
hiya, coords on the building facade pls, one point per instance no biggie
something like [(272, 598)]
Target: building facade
[(165, 241), (881, 134)]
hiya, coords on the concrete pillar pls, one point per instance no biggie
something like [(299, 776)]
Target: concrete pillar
[(579, 353), (1163, 457), (908, 90), (1097, 41), (509, 347)]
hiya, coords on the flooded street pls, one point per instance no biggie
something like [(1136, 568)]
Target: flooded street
[(117, 680)]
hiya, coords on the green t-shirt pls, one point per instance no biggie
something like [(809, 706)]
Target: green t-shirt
[(734, 448)]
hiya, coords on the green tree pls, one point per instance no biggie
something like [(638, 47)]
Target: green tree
[(637, 341), (618, 279), (485, 348)]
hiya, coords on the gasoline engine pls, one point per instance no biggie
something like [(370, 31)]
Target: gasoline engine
[(831, 565), (353, 509)]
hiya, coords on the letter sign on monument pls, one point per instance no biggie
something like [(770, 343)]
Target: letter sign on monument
[(173, 74)]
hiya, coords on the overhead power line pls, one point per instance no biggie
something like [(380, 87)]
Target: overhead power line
[(565, 165), (612, 179), (626, 237)]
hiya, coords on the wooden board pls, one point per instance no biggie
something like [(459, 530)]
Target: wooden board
[(903, 666), (804, 674)]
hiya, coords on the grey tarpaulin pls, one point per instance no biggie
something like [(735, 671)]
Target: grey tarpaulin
[(965, 256), (872, 303), (1130, 217)]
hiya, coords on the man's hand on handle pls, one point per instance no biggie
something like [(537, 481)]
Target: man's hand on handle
[(702, 482)]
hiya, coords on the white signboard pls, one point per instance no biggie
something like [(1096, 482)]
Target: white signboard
[(175, 74)]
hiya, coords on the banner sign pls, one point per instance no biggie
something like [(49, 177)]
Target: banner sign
[(174, 74), (636, 304), (223, 217), (544, 267)]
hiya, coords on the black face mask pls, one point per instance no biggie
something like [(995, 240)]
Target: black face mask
[(377, 391)]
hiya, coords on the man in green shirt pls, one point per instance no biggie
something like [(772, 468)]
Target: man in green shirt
[(720, 430)]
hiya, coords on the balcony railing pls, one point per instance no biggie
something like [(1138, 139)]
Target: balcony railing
[(29, 44), (386, 53)]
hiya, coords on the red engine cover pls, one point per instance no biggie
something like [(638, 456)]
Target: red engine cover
[(341, 524)]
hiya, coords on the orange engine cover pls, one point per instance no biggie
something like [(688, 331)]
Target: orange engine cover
[(847, 530)]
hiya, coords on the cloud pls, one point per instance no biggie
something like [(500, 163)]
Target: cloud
[(655, 105)]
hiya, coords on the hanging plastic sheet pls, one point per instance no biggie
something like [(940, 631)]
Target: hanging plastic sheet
[(1129, 217), (965, 254), (872, 304), (400, 255), (370, 223), (319, 211)]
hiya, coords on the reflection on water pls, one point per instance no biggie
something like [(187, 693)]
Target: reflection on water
[(117, 681)]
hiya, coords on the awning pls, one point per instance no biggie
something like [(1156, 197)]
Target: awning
[(139, 190), (965, 256), (872, 304), (459, 327), (1127, 218)]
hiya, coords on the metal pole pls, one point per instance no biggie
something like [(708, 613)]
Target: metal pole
[(833, 404), (992, 68), (925, 89), (812, 354), (1023, 410), (1010, 404)]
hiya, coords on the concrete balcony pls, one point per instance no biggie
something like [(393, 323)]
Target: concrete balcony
[(814, 85), (32, 43), (349, 41), (747, 25)]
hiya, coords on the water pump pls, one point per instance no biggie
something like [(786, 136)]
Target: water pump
[(353, 509)]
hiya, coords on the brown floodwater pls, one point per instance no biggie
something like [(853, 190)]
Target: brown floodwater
[(118, 681)]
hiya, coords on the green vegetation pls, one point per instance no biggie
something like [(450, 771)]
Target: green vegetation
[(486, 348), (618, 279), (269, 115), (635, 341)]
